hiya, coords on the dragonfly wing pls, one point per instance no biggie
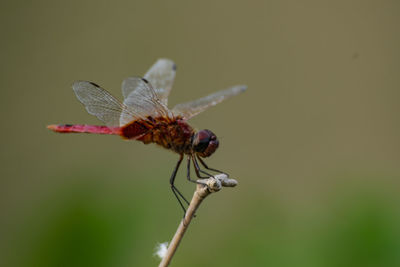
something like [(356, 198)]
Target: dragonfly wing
[(142, 101), (161, 76), (99, 102), (190, 109)]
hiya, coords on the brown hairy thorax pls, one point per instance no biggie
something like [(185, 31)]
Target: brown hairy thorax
[(170, 133)]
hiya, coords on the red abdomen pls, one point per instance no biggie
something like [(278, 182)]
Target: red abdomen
[(82, 128)]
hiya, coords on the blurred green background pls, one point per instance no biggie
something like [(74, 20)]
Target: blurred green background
[(314, 142)]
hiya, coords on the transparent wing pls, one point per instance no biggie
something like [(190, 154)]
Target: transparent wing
[(161, 76), (142, 100), (100, 103), (190, 109)]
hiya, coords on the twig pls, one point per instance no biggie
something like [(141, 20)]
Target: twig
[(203, 189)]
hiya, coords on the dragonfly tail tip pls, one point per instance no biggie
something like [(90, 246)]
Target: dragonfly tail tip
[(52, 127)]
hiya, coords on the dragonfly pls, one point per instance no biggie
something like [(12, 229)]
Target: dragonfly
[(144, 116)]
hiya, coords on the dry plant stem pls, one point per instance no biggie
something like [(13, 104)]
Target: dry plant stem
[(206, 187)]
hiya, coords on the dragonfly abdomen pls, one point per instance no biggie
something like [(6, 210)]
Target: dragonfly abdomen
[(82, 128)]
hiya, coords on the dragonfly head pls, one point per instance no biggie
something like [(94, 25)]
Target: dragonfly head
[(205, 143)]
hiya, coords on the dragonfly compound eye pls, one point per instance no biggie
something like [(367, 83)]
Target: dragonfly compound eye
[(205, 143)]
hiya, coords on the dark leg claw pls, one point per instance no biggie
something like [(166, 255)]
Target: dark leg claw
[(179, 196)]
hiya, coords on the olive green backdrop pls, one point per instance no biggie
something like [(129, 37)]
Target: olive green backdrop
[(314, 142)]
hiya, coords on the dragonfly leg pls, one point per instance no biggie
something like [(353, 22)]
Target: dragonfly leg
[(190, 158), (188, 174), (198, 170), (174, 189), (208, 168)]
